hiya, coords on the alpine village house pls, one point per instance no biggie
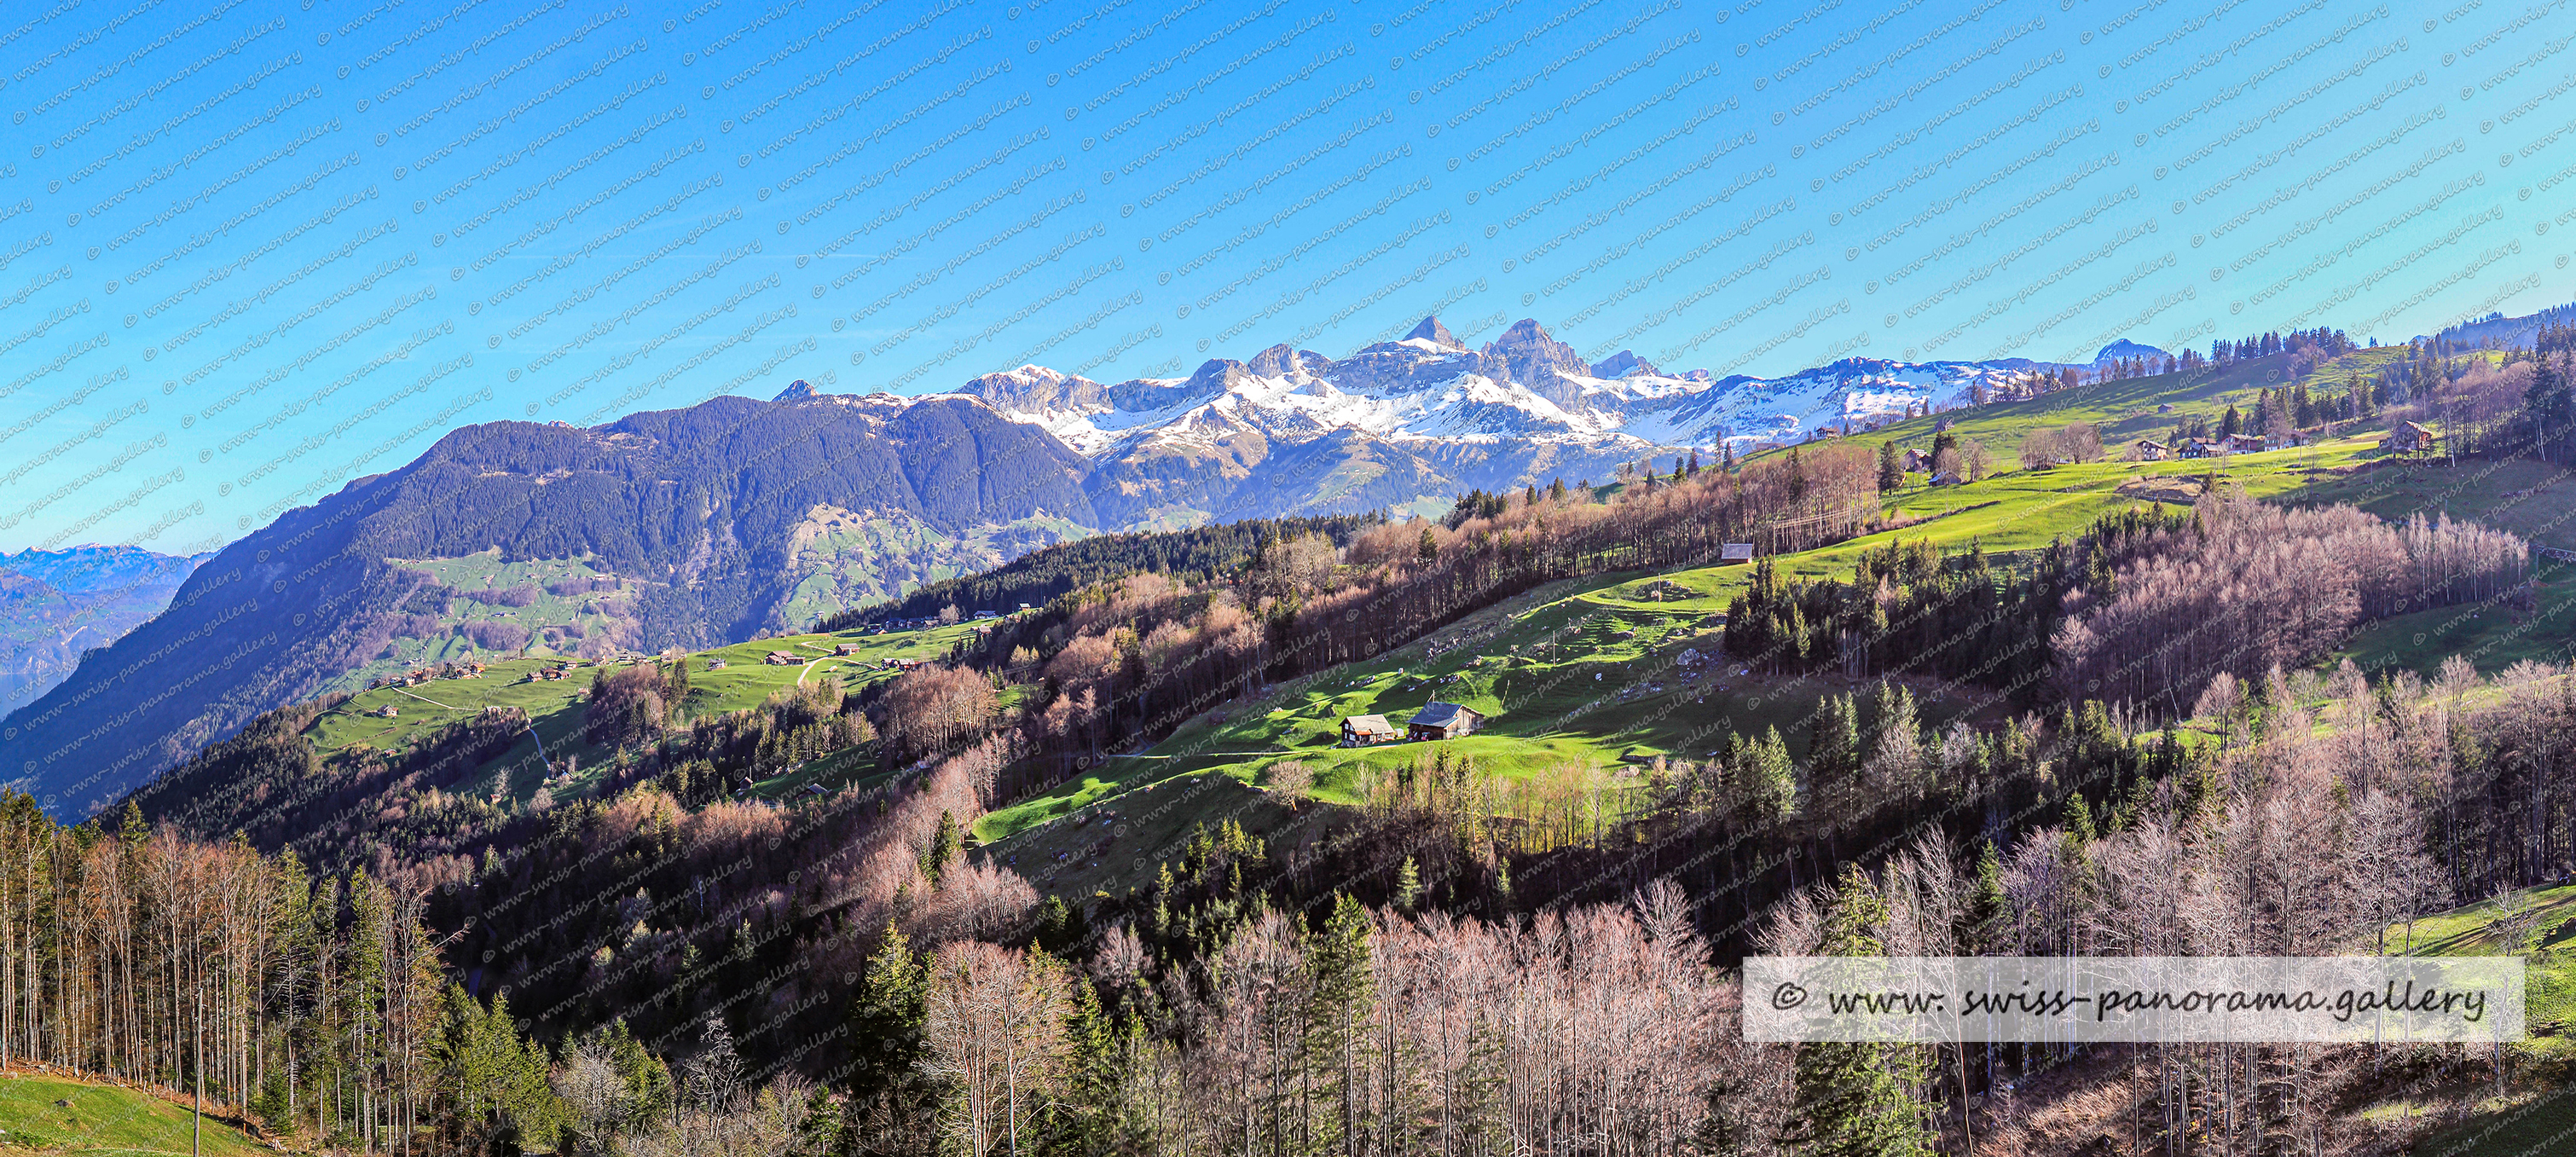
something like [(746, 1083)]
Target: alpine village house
[(1435, 721)]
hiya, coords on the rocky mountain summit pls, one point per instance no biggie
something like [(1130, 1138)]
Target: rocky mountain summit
[(1425, 416)]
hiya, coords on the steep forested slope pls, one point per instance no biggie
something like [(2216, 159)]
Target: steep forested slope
[(701, 508), (1197, 553)]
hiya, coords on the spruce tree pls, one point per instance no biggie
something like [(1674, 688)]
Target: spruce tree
[(1896, 758), (1852, 1098), (493, 1079), (1834, 758), (1343, 991), (1098, 1115), (947, 846), (1762, 780), (1987, 907), (887, 1042)]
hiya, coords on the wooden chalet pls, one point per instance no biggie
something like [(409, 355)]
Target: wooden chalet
[(2409, 438), (2247, 444), (2191, 448), (1363, 730), (2150, 450), (780, 659), (1439, 720)]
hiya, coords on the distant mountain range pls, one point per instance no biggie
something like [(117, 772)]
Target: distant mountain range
[(1425, 417), (56, 604), (737, 517)]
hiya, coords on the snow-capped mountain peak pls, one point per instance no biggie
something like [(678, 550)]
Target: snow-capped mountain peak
[(1426, 415), (2126, 350), (1437, 334)]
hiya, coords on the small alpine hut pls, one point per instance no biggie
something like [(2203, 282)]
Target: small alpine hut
[(1442, 721), (2408, 438), (1363, 730)]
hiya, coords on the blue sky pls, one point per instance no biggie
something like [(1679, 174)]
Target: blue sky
[(252, 249)]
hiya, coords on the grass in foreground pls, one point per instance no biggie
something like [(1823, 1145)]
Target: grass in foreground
[(104, 1119), (2524, 1120)]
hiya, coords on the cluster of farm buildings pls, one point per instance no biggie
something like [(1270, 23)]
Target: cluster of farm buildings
[(1436, 720)]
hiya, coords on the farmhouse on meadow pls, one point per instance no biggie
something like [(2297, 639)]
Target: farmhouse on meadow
[(1363, 730), (2408, 438), (1442, 721)]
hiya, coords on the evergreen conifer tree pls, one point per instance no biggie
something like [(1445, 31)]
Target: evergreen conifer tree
[(1853, 1098), (947, 846), (889, 1097), (1343, 988), (1834, 758)]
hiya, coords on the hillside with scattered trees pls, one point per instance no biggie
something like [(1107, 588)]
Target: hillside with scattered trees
[(764, 920)]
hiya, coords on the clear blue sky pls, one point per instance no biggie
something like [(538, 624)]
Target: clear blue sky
[(252, 249)]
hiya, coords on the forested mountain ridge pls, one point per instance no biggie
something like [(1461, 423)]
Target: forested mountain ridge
[(1628, 814), (589, 905), (694, 514), (1124, 822), (1041, 576), (733, 517)]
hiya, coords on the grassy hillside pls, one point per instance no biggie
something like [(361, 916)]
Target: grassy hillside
[(2519, 1120), (1581, 680), (2129, 409), (2017, 509), (1582, 675), (45, 1114), (554, 707), (2550, 957)]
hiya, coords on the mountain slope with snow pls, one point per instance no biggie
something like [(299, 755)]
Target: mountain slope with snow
[(1417, 420)]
